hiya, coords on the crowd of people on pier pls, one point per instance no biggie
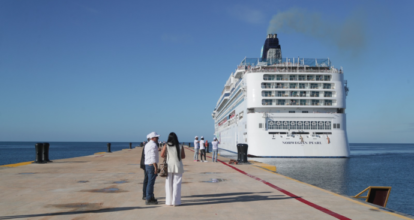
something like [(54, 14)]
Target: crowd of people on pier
[(173, 153)]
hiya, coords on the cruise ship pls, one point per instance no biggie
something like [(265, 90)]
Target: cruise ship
[(283, 107)]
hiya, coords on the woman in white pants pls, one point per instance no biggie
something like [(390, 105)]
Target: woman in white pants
[(174, 153)]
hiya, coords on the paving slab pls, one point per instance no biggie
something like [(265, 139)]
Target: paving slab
[(109, 186)]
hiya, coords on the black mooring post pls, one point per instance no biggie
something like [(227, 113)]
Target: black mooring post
[(242, 153), (130, 145), (109, 147), (39, 153), (46, 152)]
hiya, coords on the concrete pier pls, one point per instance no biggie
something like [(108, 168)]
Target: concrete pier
[(109, 186)]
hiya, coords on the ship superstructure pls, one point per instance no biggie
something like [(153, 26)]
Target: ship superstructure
[(283, 107)]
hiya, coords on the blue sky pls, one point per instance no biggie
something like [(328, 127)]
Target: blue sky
[(116, 70)]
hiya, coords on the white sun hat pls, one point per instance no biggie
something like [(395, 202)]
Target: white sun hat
[(153, 134), (196, 136)]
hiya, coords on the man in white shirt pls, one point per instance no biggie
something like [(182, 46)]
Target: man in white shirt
[(215, 149), (196, 147), (202, 150), (151, 166)]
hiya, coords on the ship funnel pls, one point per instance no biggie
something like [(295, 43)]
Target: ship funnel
[(271, 49)]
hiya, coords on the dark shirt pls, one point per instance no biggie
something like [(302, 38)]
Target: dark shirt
[(142, 164)]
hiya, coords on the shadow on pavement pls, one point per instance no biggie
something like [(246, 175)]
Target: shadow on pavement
[(104, 210)]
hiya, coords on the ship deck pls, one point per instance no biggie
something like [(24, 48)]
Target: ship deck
[(108, 186)]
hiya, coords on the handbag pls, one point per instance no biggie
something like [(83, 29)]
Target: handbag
[(164, 166)]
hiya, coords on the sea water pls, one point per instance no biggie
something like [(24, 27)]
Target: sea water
[(369, 165), (16, 152)]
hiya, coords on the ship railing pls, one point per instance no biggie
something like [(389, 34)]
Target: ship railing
[(297, 104), (275, 69), (306, 62)]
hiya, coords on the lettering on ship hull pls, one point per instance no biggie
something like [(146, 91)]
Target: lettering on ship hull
[(298, 142)]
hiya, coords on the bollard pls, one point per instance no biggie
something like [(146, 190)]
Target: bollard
[(46, 152), (109, 148), (39, 153), (130, 145), (242, 153)]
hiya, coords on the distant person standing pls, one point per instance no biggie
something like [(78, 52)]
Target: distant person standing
[(206, 145), (202, 150), (196, 148), (214, 145), (174, 154), (151, 167)]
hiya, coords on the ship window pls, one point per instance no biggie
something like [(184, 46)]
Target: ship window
[(313, 85), (328, 102), (280, 102), (293, 102), (260, 125), (302, 102), (315, 102), (280, 93), (314, 125), (279, 77), (305, 112), (302, 94), (328, 94), (291, 111), (268, 77), (299, 125), (285, 125), (301, 85), (326, 86), (310, 77), (292, 77), (294, 94), (327, 78), (293, 85), (319, 78), (338, 126), (293, 125), (306, 125), (314, 94), (266, 85), (327, 125), (302, 77), (266, 93), (267, 102), (321, 125), (279, 85), (334, 126)]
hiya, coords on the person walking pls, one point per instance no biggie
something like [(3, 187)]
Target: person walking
[(174, 153), (202, 150), (151, 167), (214, 145), (196, 148)]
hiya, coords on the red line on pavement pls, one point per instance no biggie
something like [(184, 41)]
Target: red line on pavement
[(313, 205)]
